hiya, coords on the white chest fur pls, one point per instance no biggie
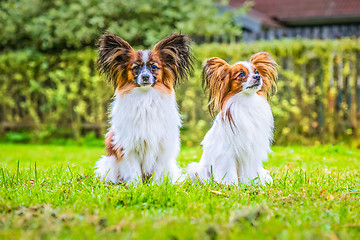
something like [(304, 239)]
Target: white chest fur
[(251, 133), (145, 123), (235, 151)]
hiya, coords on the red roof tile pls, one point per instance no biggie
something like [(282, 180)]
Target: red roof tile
[(297, 9)]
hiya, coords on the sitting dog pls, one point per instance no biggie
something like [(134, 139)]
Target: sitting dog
[(143, 138), (241, 135)]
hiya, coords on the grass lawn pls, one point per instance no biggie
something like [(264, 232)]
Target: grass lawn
[(51, 192)]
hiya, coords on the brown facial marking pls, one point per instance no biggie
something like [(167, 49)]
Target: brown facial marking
[(237, 78), (238, 75), (157, 72), (222, 81), (171, 55)]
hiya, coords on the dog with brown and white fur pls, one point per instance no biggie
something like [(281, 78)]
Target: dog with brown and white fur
[(239, 140), (143, 138)]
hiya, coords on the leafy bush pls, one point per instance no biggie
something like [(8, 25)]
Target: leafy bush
[(61, 95), (65, 24)]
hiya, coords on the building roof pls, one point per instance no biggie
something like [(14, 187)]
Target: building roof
[(292, 12)]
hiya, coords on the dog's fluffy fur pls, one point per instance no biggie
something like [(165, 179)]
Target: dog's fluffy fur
[(143, 138), (242, 132)]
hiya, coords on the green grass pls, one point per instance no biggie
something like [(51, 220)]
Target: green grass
[(51, 192)]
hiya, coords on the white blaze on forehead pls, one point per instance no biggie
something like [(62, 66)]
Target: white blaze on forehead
[(145, 56), (248, 65), (145, 71)]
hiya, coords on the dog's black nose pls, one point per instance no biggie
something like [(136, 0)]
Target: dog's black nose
[(257, 77), (145, 78)]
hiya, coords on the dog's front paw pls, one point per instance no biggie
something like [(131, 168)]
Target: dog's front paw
[(106, 169), (198, 172), (265, 177), (192, 170)]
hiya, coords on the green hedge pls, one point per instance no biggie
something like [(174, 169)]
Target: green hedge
[(61, 95)]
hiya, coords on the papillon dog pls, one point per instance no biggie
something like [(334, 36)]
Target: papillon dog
[(240, 138), (143, 138)]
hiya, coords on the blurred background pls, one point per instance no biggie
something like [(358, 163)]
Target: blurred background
[(50, 90)]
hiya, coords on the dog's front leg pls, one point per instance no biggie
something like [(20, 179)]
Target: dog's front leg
[(168, 168), (255, 174), (224, 170), (119, 170)]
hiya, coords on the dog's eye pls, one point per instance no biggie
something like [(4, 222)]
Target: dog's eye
[(135, 68), (154, 67), (241, 75), (256, 72)]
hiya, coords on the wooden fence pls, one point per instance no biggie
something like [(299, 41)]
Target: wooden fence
[(309, 32)]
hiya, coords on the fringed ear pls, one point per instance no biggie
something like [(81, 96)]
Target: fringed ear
[(175, 53), (266, 66), (216, 80), (113, 58)]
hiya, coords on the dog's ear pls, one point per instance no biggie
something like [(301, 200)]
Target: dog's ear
[(266, 66), (175, 53), (114, 54), (216, 80)]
